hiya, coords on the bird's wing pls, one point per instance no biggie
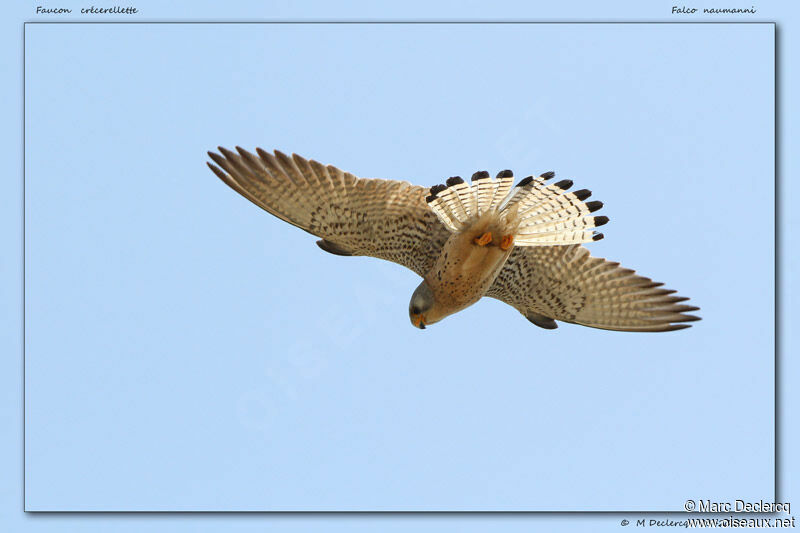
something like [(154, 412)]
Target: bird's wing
[(566, 283), (354, 216)]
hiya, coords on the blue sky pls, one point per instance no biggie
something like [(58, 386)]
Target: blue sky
[(173, 362)]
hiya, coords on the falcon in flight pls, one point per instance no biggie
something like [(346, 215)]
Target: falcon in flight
[(521, 244)]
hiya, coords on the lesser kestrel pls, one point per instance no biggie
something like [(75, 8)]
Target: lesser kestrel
[(519, 244)]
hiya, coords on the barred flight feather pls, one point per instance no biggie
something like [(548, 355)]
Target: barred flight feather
[(546, 214)]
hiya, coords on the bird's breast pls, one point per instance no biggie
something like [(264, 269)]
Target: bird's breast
[(465, 270)]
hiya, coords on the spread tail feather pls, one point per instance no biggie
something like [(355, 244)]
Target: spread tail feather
[(545, 213)]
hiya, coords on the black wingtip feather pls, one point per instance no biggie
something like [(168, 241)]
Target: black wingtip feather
[(582, 194), (564, 184), (505, 174), (220, 174), (600, 221), (455, 180), (227, 153), (548, 175), (594, 205), (218, 159), (676, 327), (597, 236), (480, 175), (524, 181)]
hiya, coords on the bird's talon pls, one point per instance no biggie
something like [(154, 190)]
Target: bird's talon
[(506, 242), (484, 239)]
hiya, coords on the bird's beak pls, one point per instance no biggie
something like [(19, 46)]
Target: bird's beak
[(419, 321)]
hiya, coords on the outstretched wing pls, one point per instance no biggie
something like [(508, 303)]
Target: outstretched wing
[(354, 216), (565, 283)]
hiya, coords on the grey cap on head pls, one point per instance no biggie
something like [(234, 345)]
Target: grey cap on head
[(421, 301)]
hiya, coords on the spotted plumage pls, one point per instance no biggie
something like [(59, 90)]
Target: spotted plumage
[(520, 244)]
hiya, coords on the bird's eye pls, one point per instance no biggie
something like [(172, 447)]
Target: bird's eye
[(415, 310)]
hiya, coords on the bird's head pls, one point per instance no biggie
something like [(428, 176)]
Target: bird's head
[(422, 310)]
